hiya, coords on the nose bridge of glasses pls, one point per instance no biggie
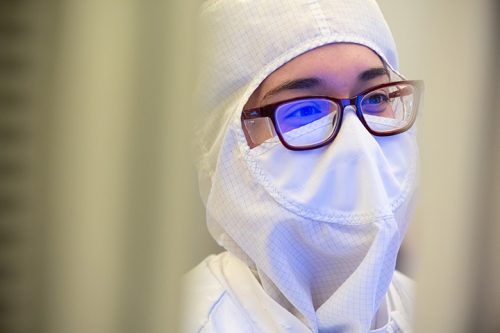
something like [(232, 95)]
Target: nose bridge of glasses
[(348, 104)]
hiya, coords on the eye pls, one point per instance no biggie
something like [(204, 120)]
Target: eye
[(375, 99), (375, 102), (298, 113), (303, 111)]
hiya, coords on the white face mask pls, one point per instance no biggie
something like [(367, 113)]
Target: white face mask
[(322, 227), (357, 175)]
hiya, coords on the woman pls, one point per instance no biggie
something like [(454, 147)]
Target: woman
[(307, 169)]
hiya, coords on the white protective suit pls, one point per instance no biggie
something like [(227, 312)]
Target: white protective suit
[(312, 236)]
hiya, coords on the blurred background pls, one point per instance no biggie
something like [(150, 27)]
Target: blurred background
[(99, 210)]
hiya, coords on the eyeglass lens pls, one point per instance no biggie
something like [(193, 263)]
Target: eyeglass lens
[(308, 121)]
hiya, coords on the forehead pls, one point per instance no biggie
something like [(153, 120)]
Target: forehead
[(338, 64)]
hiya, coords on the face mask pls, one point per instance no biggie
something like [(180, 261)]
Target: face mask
[(357, 175), (321, 227)]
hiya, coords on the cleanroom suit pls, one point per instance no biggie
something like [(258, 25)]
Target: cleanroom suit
[(311, 236)]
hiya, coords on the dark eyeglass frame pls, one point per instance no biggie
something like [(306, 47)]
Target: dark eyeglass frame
[(270, 112)]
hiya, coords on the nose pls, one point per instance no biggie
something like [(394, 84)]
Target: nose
[(350, 121), (350, 108)]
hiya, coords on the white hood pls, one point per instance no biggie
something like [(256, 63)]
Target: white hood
[(329, 258)]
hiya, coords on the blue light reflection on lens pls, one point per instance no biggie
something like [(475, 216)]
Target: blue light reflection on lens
[(299, 113)]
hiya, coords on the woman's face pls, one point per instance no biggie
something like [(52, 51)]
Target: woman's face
[(339, 70)]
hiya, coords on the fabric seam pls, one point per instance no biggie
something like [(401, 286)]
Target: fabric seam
[(320, 18), (212, 309)]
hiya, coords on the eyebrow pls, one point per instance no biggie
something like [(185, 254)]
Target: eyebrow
[(372, 73), (297, 84), (312, 82)]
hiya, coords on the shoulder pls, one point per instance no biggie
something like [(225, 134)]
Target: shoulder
[(201, 279), (206, 299)]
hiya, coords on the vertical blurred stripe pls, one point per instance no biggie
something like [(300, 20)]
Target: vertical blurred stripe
[(97, 188), (485, 307), (22, 29), (88, 134), (457, 68), (163, 200), (453, 46), (119, 154)]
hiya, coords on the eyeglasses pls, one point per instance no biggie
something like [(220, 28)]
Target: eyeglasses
[(314, 121)]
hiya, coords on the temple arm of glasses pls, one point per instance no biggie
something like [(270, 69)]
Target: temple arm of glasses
[(405, 91), (251, 114)]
